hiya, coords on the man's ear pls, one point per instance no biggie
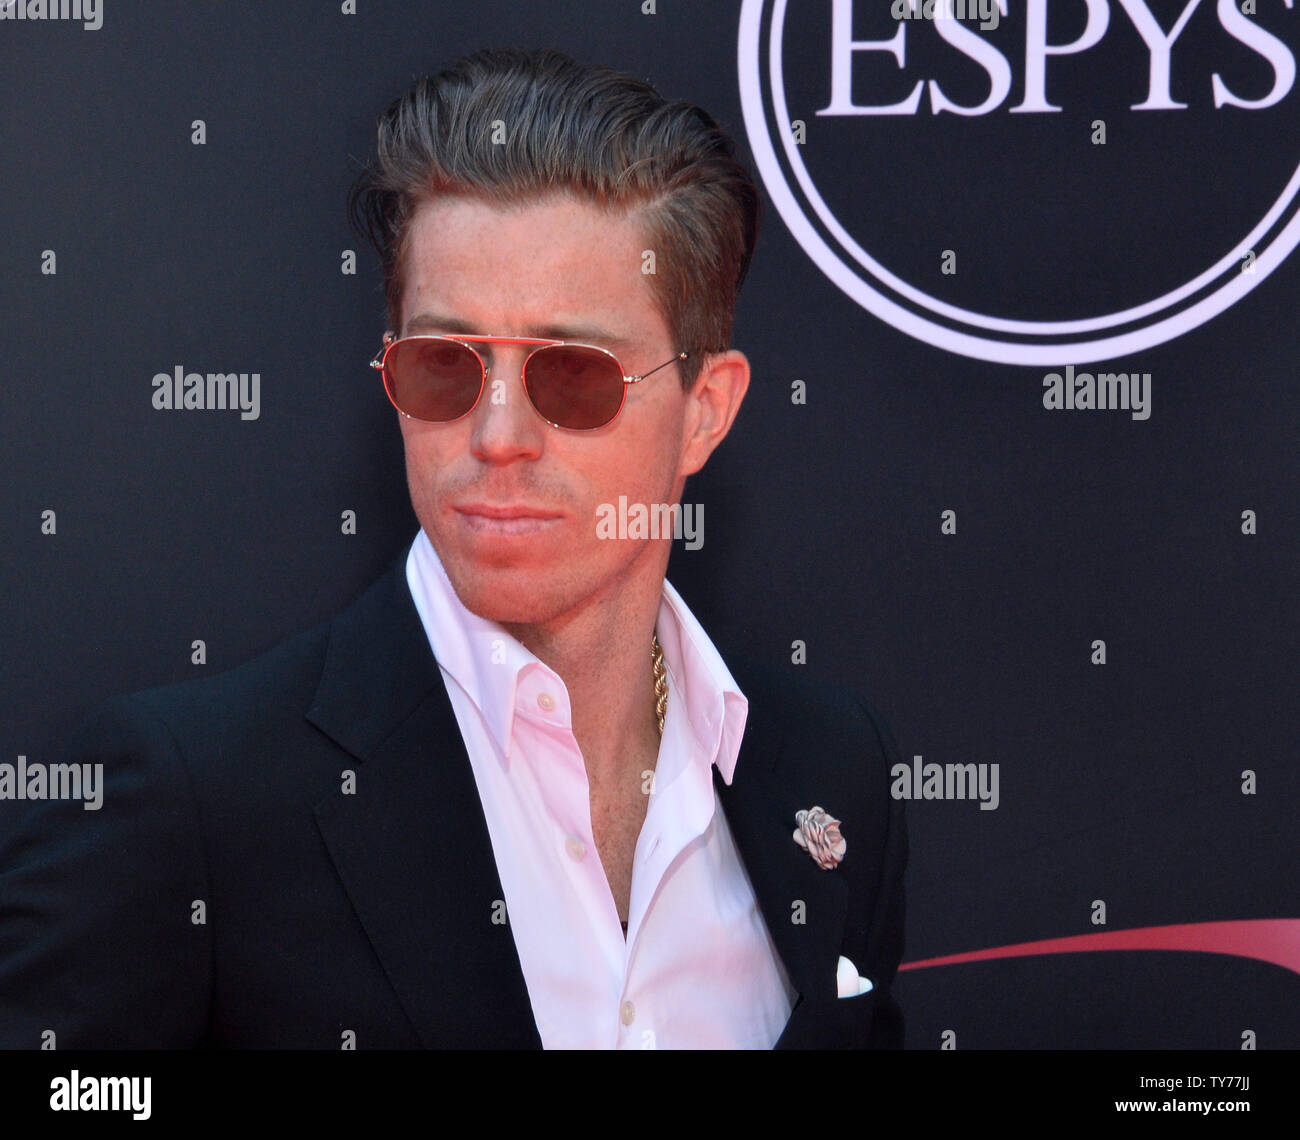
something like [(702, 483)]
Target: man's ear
[(712, 405)]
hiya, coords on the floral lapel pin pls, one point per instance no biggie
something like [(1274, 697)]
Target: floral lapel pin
[(818, 833)]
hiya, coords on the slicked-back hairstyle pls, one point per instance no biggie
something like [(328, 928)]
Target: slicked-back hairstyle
[(609, 138)]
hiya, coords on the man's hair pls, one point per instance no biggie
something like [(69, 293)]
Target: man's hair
[(609, 138)]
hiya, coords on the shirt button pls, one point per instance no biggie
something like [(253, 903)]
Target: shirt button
[(575, 848), (546, 702), (628, 1013)]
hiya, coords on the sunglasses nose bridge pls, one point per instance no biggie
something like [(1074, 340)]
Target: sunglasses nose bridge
[(505, 418), (515, 368)]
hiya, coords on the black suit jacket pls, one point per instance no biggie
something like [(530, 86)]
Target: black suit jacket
[(231, 893)]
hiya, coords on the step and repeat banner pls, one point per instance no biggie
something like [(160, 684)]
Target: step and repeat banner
[(1017, 462)]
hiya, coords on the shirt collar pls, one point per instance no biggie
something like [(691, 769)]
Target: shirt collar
[(487, 662), (716, 709)]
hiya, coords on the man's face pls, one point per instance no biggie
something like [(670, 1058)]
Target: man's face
[(564, 270)]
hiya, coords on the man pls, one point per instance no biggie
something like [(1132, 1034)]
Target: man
[(512, 796)]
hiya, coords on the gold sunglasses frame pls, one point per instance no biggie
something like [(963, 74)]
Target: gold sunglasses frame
[(390, 341)]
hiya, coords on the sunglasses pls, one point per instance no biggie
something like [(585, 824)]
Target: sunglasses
[(438, 379)]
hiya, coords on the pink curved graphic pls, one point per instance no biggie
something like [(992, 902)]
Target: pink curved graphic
[(1275, 940)]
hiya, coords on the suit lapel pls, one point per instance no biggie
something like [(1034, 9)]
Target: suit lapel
[(769, 786), (410, 844)]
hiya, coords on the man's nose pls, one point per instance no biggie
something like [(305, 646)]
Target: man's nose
[(505, 426)]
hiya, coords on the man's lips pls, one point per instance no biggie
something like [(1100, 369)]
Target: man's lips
[(505, 519)]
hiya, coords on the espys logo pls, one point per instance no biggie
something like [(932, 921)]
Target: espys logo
[(1072, 180)]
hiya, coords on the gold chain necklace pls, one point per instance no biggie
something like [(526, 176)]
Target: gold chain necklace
[(661, 681), (661, 699)]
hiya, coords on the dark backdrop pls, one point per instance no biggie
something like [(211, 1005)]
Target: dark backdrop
[(1119, 782)]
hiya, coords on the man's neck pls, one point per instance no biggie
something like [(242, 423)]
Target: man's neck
[(603, 656)]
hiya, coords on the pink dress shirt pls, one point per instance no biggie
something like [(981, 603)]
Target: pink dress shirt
[(698, 968)]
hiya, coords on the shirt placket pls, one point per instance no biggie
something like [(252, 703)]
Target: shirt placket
[(680, 809), (545, 738)]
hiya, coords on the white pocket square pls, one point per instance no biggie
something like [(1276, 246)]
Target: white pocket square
[(847, 980)]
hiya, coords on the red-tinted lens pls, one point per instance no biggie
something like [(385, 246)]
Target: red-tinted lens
[(573, 386), (432, 379)]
